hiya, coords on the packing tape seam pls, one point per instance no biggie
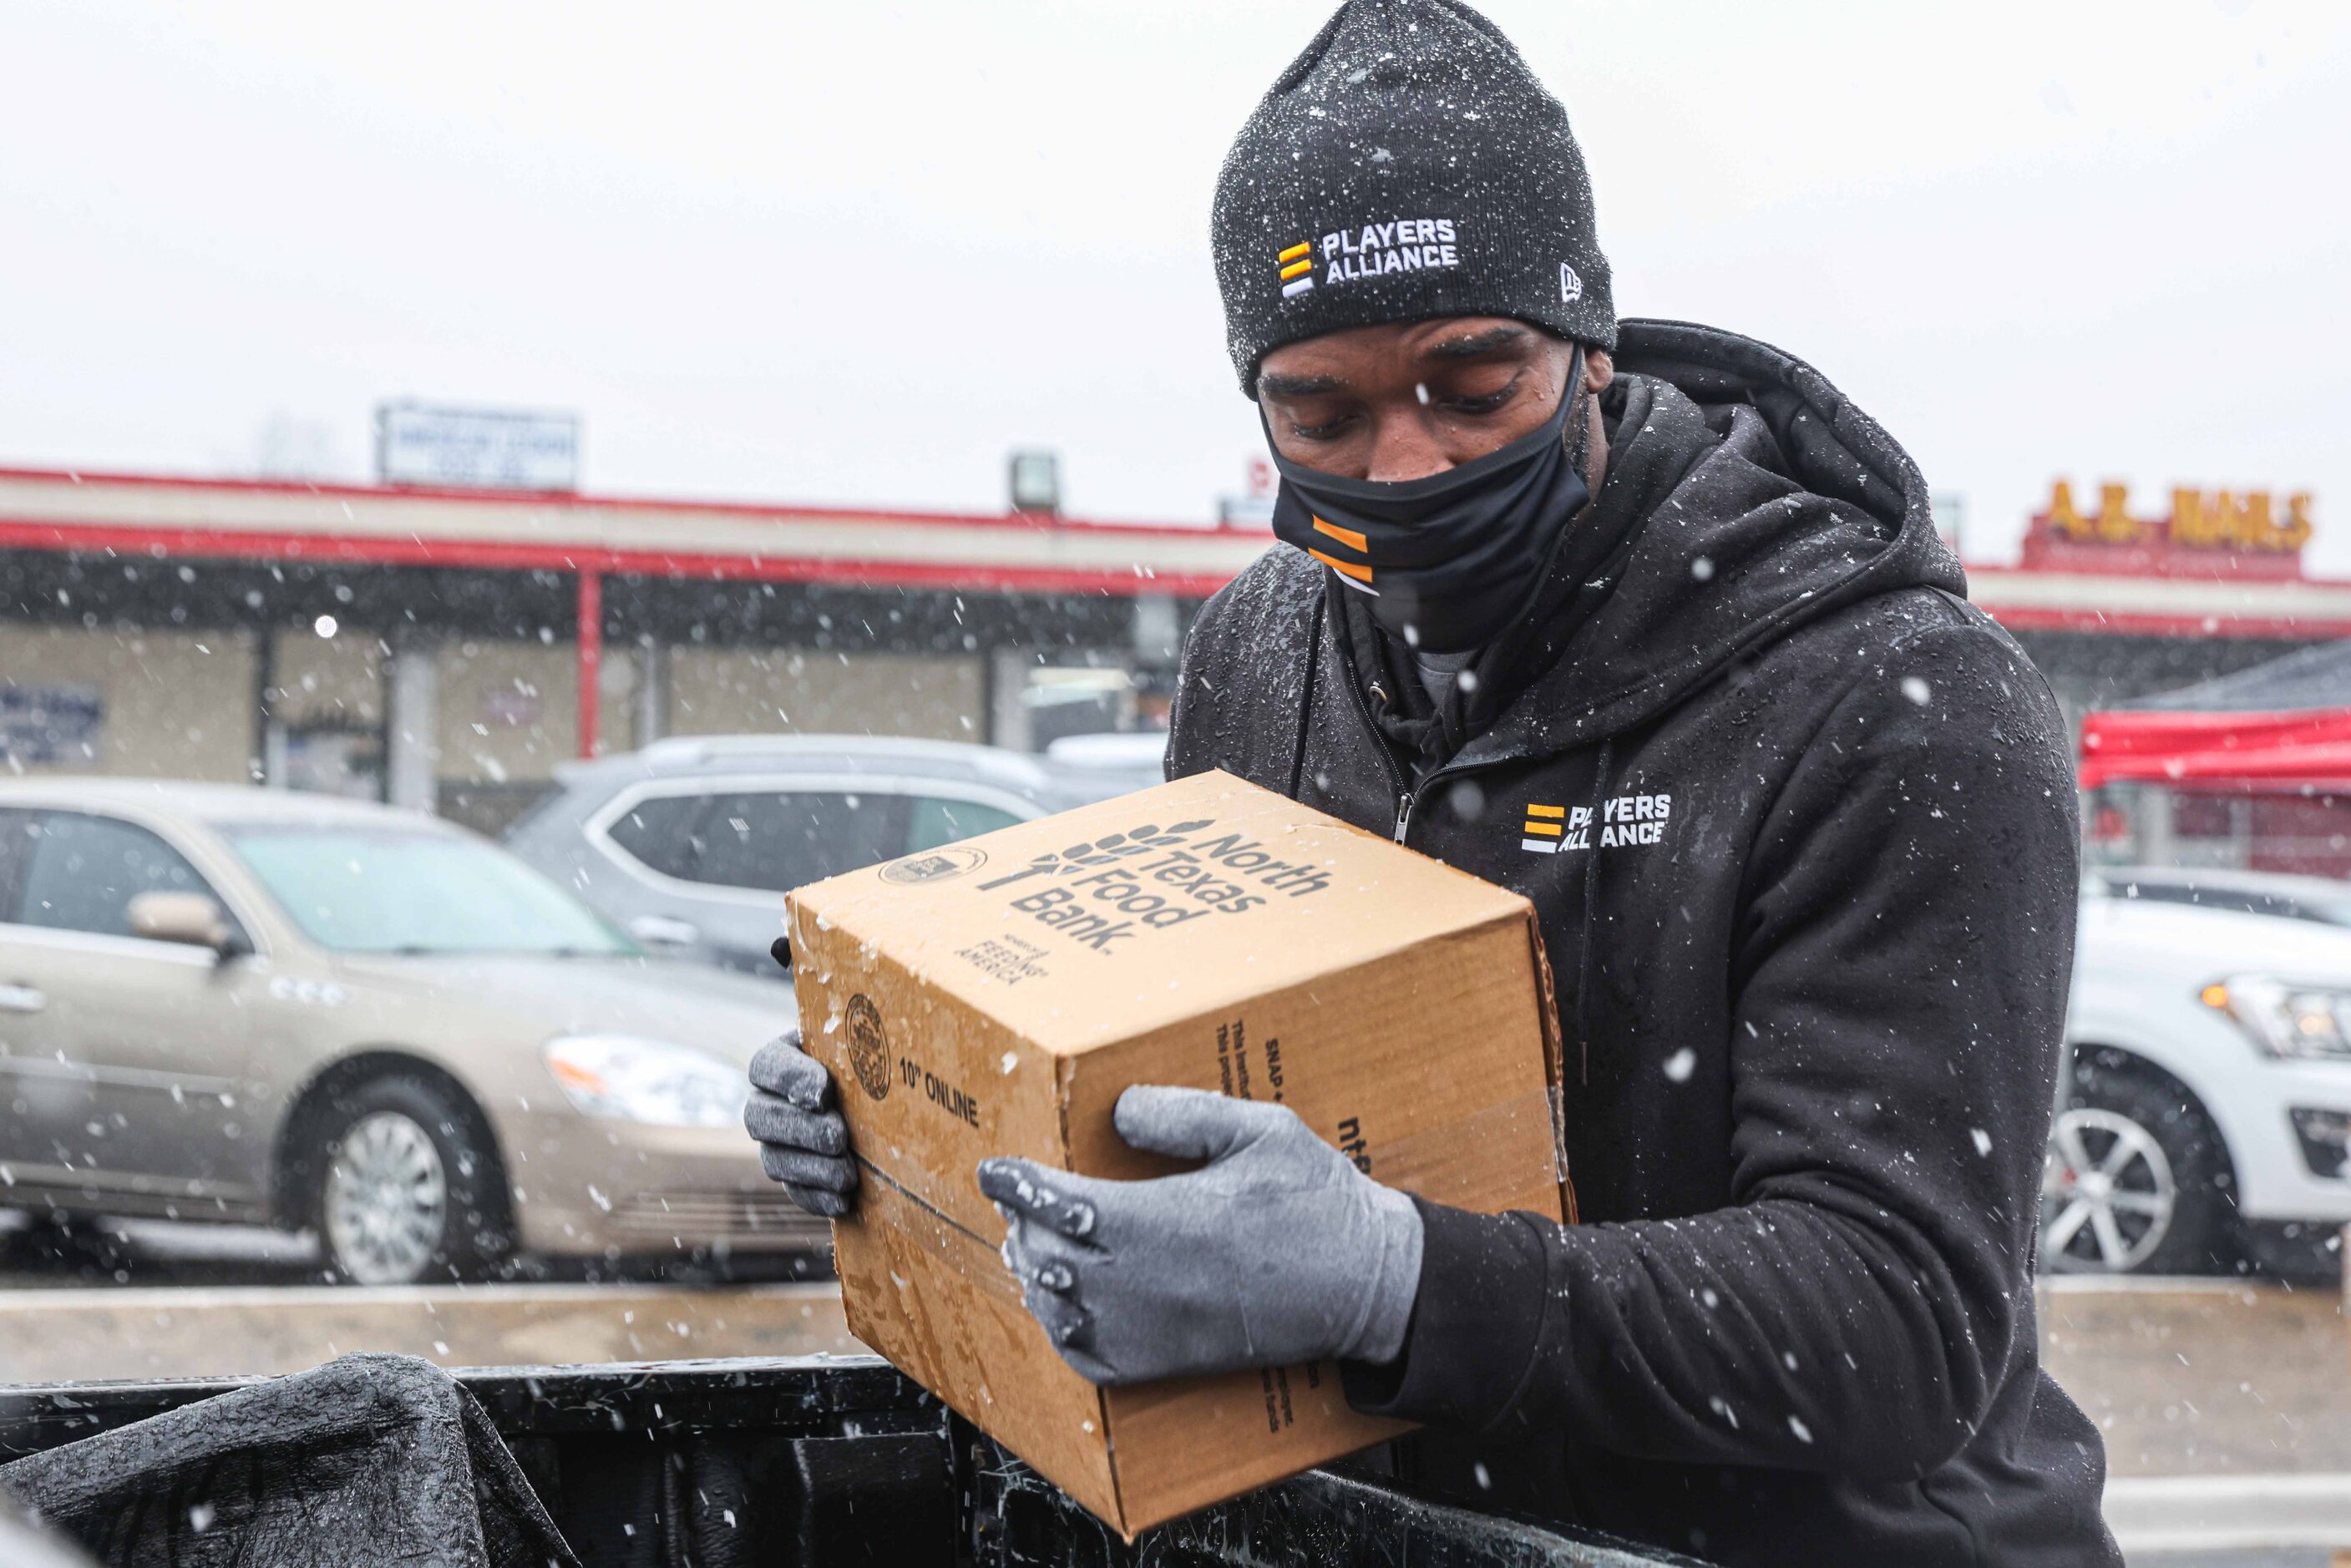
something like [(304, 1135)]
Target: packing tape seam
[(915, 1199), (1451, 1139), (897, 1208)]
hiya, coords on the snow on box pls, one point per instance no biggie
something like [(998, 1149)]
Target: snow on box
[(994, 997)]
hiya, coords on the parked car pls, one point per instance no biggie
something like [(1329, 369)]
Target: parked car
[(2320, 899), (691, 844), (2208, 1122), (242, 1004), (1137, 756)]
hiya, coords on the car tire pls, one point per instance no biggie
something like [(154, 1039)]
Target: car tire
[(406, 1186), (2137, 1180), (2299, 1251)]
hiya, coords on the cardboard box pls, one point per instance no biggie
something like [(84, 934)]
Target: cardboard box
[(994, 997)]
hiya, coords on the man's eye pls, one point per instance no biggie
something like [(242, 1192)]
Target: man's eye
[(1329, 431), (1485, 405)]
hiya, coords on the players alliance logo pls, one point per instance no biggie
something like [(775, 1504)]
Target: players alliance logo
[(1543, 828), (1373, 249), (1297, 265), (1625, 820)]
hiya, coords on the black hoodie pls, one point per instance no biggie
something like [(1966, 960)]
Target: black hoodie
[(1799, 825)]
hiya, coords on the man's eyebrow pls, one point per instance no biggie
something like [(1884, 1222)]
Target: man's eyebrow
[(1470, 344), (1282, 386)]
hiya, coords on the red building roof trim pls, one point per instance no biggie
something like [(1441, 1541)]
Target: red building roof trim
[(1024, 521), (332, 549)]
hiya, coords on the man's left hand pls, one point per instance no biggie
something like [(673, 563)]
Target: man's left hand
[(1277, 1250)]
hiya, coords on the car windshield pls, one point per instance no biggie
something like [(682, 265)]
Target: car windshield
[(390, 891)]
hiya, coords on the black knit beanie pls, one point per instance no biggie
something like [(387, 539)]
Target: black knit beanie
[(1406, 165)]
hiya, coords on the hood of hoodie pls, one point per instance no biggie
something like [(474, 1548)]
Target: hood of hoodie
[(1766, 498)]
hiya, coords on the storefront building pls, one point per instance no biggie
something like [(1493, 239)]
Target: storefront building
[(448, 649), (2117, 605)]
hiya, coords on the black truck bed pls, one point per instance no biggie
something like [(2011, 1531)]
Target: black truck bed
[(832, 1460)]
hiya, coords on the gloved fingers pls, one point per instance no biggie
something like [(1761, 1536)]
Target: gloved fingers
[(1101, 1373), (1069, 1325), (1054, 1199), (797, 1167), (1042, 1258), (771, 1118), (1193, 1124), (818, 1201), (781, 1067)]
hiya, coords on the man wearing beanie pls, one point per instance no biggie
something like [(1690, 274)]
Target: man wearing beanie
[(1648, 622)]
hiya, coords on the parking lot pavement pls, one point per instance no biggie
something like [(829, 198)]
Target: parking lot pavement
[(152, 1300), (159, 1252), (207, 1331), (2204, 1376), (2226, 1413)]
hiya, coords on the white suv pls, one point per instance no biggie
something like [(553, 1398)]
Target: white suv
[(2208, 1120)]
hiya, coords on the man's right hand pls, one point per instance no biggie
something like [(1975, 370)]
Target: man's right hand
[(803, 1142)]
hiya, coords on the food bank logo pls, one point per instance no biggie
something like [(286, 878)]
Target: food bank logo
[(1625, 820), (1103, 893), (1103, 851), (1297, 265)]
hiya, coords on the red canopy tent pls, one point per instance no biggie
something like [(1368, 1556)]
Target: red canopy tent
[(2282, 727)]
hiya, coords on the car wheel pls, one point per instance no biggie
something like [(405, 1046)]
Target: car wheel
[(408, 1187), (2302, 1251), (2137, 1180)]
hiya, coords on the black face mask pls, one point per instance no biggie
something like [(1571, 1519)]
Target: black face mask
[(1453, 559)]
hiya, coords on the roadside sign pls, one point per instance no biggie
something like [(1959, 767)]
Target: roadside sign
[(490, 448)]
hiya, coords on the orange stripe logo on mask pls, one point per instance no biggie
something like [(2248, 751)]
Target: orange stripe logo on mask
[(1344, 568), (1347, 536), (1354, 571)]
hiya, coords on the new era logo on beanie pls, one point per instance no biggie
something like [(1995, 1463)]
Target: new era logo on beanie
[(1406, 165)]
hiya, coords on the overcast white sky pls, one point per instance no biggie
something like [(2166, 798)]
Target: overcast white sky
[(854, 253)]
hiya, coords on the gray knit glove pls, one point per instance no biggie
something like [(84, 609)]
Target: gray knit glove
[(803, 1142), (1278, 1251)]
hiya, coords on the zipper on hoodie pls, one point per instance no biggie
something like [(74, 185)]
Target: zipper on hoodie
[(1407, 796), (1396, 782)]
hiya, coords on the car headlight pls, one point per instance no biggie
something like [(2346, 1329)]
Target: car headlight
[(2284, 1018), (634, 1080)]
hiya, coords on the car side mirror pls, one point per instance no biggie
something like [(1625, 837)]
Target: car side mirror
[(189, 917), (665, 932)]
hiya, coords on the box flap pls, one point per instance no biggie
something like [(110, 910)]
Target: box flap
[(1092, 924)]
